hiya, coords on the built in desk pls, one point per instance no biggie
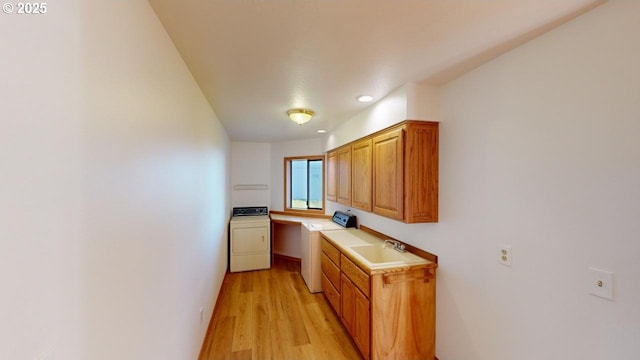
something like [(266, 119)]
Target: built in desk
[(285, 232)]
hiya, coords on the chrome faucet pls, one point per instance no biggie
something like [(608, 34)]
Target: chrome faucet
[(396, 245)]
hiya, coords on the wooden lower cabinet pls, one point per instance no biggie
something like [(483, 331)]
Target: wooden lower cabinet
[(389, 314), (403, 315), (331, 293), (355, 314)]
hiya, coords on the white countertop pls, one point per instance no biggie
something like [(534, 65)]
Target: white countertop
[(322, 225), (293, 219), (352, 242)]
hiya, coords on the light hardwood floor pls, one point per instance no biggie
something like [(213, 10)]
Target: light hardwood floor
[(270, 314)]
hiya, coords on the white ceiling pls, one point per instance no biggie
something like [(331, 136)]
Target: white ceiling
[(255, 59)]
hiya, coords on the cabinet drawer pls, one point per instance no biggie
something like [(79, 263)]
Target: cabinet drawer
[(332, 252), (355, 274), (331, 293), (330, 270)]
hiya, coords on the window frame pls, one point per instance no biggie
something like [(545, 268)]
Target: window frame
[(287, 184)]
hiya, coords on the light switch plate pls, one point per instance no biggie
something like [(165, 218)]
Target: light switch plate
[(601, 283)]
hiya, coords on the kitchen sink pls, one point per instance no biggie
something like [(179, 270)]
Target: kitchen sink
[(376, 254)]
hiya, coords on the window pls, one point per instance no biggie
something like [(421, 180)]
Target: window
[(304, 183)]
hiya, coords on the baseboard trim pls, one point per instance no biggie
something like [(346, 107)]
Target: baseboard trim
[(216, 308), (286, 257)]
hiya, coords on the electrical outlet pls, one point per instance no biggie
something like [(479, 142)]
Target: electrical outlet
[(601, 283), (505, 256)]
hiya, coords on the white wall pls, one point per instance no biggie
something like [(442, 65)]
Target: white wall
[(408, 102), (423, 102), (539, 149), (383, 113), (114, 188), (279, 151), (251, 165)]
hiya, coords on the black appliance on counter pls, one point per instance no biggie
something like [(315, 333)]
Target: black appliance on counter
[(344, 219)]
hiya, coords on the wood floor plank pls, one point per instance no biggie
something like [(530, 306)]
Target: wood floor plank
[(247, 282), (300, 289), (292, 314), (241, 355), (307, 352), (229, 307), (282, 340), (270, 314), (317, 327), (262, 345), (345, 348), (222, 338), (243, 330), (329, 318)]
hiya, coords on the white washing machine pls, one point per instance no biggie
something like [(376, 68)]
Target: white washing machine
[(310, 248), (249, 239)]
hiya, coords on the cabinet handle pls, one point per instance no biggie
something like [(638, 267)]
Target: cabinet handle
[(262, 238)]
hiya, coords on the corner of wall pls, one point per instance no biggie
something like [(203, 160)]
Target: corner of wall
[(423, 102)]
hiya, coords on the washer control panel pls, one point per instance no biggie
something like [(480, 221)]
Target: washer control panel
[(250, 211)]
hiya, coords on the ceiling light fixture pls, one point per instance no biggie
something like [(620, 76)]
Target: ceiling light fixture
[(321, 131), (300, 116), (365, 98)]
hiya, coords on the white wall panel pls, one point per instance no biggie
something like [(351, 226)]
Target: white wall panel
[(115, 188)]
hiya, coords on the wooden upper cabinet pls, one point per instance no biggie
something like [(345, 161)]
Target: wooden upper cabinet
[(332, 176), (361, 174), (421, 172), (388, 174), (393, 173), (344, 175)]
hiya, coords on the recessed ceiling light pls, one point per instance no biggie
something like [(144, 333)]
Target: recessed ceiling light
[(365, 98), (321, 131)]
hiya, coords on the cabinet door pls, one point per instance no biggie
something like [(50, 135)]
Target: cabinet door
[(362, 324), (355, 314), (330, 270), (332, 294), (361, 158), (348, 293), (344, 175), (421, 179), (332, 176), (388, 174), (403, 314)]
